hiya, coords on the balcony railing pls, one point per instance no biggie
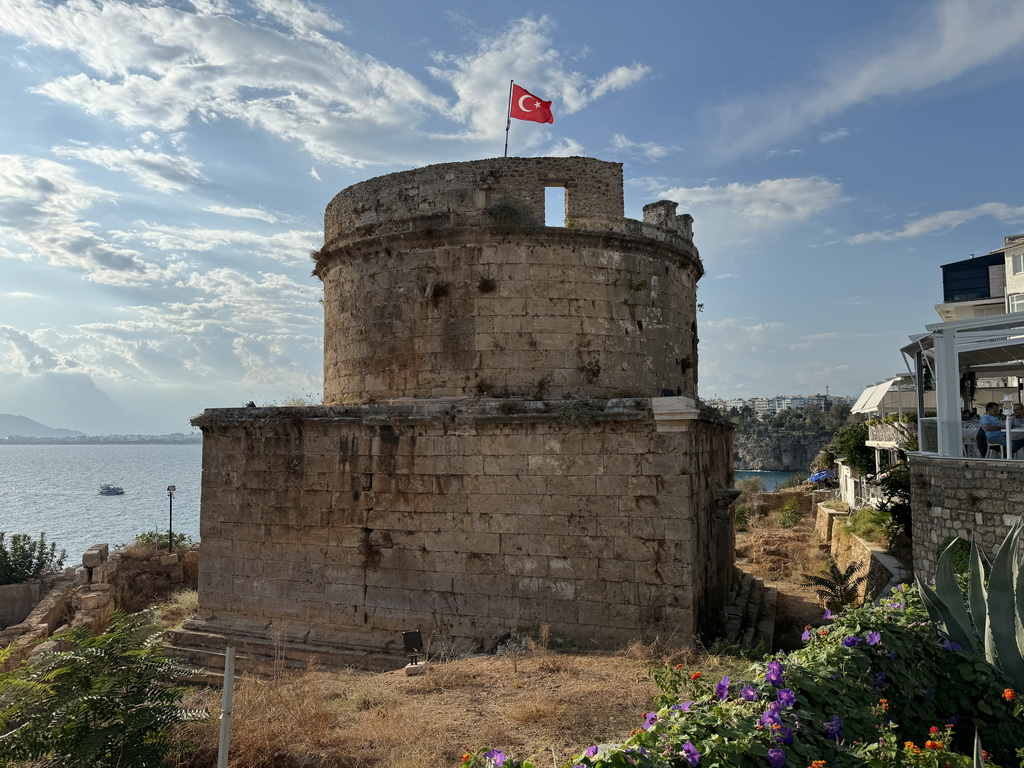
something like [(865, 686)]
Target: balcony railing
[(888, 434)]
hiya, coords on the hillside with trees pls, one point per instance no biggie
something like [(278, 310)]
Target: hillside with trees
[(787, 441)]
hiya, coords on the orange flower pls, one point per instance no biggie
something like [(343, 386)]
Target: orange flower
[(885, 704), (933, 744), (465, 757), (695, 675), (1009, 694), (679, 666), (823, 633), (986, 755), (817, 764)]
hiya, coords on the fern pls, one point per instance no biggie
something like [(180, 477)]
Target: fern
[(837, 588), (110, 700)]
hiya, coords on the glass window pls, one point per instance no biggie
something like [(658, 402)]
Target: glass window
[(1018, 263), (1017, 302)]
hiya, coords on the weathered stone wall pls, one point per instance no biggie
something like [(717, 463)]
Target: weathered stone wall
[(340, 527), (883, 571), (444, 282), (950, 497)]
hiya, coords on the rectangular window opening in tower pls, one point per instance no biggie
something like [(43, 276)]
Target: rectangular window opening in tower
[(555, 205)]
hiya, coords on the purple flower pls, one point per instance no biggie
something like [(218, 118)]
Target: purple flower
[(806, 635), (874, 638), (879, 681), (591, 751), (650, 718), (496, 758), (684, 707), (950, 646), (774, 672), (828, 614), (899, 587), (784, 735), (747, 693), (786, 697), (771, 716), (722, 689), (851, 641), (834, 728), (776, 757), (891, 654), (690, 753)]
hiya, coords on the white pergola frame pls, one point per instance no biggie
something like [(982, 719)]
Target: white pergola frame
[(989, 346)]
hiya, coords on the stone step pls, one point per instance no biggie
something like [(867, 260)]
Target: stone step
[(736, 609), (765, 633)]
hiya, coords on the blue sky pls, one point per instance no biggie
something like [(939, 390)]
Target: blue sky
[(164, 167)]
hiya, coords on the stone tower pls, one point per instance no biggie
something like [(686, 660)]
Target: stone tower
[(510, 435)]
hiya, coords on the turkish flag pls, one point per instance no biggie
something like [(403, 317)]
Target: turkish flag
[(526, 106)]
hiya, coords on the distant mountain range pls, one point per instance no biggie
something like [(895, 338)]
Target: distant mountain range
[(22, 426)]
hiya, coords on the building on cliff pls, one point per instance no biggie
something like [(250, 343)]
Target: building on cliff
[(510, 435)]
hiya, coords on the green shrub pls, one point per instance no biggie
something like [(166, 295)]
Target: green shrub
[(156, 541), (24, 559), (794, 481), (863, 686), (741, 516), (871, 524), (788, 515), (111, 700), (750, 485)]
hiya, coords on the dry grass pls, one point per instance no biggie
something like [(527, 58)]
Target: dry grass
[(357, 720), (182, 605)]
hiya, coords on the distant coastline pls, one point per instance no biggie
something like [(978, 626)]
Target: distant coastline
[(176, 438)]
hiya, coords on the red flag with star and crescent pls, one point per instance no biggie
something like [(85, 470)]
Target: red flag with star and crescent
[(526, 106)]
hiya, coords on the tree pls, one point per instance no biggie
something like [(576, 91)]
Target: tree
[(111, 700), (24, 559), (849, 443)]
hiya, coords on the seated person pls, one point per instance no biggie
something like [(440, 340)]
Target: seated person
[(993, 428), (1017, 420)]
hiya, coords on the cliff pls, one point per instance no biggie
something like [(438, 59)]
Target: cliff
[(778, 449)]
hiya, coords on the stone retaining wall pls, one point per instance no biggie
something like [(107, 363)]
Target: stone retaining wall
[(949, 497), (883, 571)]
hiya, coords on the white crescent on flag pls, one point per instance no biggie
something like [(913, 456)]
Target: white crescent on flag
[(524, 98)]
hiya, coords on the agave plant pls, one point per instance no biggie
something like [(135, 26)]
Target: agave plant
[(990, 620)]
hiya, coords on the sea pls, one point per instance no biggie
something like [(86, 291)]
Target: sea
[(772, 480), (54, 489)]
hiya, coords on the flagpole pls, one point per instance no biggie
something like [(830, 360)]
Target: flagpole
[(508, 115)]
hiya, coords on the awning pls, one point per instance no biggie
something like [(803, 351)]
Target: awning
[(872, 396)]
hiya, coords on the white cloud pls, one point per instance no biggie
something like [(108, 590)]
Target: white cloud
[(783, 152), (837, 135), (301, 17), (314, 174), (648, 150), (526, 48), (155, 170), (950, 38), (30, 355), (943, 221), (243, 213), (289, 246), (156, 67), (770, 201), (40, 206)]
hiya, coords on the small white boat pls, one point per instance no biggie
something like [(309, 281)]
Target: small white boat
[(111, 490)]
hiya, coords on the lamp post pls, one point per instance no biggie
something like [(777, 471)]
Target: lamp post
[(170, 517)]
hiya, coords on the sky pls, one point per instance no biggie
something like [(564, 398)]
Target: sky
[(164, 167)]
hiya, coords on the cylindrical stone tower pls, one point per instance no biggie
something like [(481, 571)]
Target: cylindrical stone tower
[(444, 281)]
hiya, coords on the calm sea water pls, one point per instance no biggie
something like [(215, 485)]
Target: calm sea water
[(54, 488), (771, 480)]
